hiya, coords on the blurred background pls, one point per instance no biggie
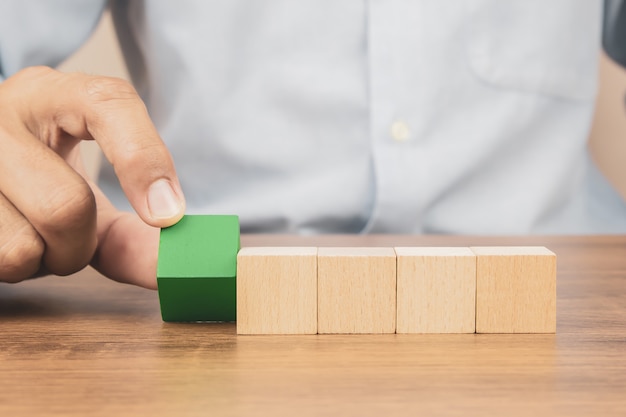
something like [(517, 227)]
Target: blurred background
[(607, 139)]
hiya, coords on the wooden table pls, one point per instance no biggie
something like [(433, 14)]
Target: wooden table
[(82, 345)]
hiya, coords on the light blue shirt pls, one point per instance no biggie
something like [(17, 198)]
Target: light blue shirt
[(395, 116)]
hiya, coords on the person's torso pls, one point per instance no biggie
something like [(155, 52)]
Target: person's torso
[(376, 116)]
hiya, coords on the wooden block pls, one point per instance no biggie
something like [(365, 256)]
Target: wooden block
[(277, 290), (436, 290), (196, 269), (515, 290), (356, 290)]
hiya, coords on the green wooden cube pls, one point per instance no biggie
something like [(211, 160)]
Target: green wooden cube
[(197, 267)]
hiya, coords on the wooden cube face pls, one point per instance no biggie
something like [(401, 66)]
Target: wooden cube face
[(356, 290), (515, 290), (436, 290), (277, 290)]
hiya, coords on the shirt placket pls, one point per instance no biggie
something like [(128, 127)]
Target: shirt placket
[(396, 172)]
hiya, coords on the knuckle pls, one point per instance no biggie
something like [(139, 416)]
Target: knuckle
[(20, 257), (23, 83), (69, 208), (27, 81), (106, 89), (36, 71), (33, 73)]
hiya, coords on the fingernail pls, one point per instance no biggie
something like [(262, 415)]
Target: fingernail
[(162, 201)]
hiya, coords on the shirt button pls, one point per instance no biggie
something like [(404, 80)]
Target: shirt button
[(399, 131)]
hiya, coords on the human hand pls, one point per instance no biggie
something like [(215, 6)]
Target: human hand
[(52, 218)]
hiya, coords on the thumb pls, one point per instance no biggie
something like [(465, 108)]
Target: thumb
[(127, 247)]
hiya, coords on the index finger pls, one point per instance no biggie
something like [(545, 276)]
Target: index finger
[(110, 111)]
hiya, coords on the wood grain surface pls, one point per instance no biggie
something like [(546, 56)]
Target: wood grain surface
[(356, 290), (277, 290), (82, 345), (436, 290), (515, 290)]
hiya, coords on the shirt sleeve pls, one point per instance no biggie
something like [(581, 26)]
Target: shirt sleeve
[(43, 32)]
